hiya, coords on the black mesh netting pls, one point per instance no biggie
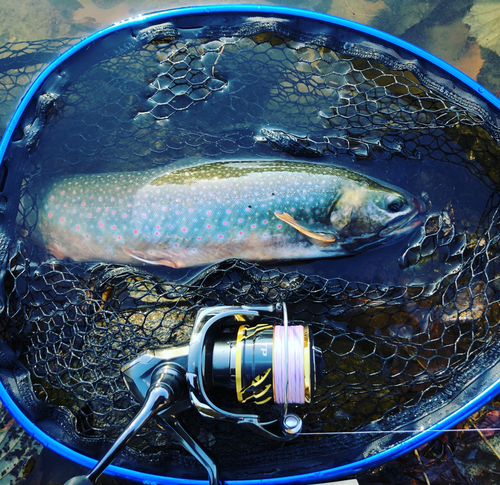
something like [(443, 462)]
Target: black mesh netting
[(399, 326)]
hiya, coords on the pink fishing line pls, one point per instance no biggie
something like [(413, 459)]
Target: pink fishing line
[(295, 346)]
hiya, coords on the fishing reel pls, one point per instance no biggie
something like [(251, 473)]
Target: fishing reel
[(236, 355)]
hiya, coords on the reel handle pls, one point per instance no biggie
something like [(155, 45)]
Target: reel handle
[(168, 382)]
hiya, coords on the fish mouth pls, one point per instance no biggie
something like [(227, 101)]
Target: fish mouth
[(420, 206), (407, 223)]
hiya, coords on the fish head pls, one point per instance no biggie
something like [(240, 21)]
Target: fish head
[(369, 214)]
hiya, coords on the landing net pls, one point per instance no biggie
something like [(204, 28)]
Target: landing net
[(403, 330)]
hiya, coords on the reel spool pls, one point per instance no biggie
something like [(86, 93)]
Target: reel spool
[(233, 352)]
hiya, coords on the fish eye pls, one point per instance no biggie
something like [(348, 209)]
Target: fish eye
[(395, 202)]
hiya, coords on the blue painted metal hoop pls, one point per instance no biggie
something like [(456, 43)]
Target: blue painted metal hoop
[(315, 477)]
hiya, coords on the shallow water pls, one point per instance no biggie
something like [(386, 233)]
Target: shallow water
[(447, 38)]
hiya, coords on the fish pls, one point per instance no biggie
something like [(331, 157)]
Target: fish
[(265, 210)]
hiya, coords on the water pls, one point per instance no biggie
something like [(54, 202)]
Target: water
[(448, 188)]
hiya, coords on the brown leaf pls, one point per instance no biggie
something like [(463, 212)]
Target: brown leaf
[(488, 425)]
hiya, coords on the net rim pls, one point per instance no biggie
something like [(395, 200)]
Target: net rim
[(315, 477), (401, 448)]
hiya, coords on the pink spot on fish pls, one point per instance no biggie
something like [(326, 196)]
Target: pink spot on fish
[(50, 215), (209, 213), (240, 220), (264, 221), (143, 216), (113, 227), (124, 215), (89, 215), (78, 227), (220, 236), (101, 224), (225, 223), (51, 198), (135, 231), (228, 211), (209, 226), (61, 219), (279, 226), (83, 204)]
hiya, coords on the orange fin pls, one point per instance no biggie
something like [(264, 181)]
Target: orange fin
[(321, 238), (159, 262)]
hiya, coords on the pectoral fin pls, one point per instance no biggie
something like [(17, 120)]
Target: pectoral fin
[(160, 262), (321, 238)]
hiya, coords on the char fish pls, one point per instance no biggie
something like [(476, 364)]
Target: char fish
[(197, 215)]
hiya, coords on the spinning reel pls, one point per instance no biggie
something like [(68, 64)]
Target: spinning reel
[(233, 352)]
